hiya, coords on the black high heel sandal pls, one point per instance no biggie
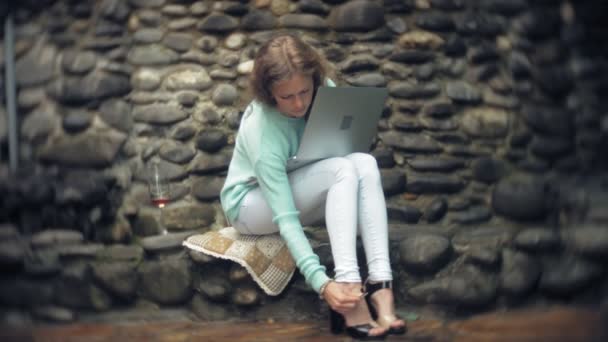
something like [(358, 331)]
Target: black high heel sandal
[(337, 325), (387, 320)]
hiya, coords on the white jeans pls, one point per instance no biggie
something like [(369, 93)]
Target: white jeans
[(348, 192)]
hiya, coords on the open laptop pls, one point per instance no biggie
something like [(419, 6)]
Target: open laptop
[(342, 120)]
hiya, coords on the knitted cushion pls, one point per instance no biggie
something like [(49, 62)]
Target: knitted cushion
[(265, 257)]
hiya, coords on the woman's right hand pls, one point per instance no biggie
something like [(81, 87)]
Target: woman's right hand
[(342, 297)]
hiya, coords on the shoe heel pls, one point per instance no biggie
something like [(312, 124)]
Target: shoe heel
[(336, 322)]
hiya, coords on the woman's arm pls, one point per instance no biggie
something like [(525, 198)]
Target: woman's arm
[(274, 183)]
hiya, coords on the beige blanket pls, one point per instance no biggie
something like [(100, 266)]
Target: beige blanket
[(265, 257)]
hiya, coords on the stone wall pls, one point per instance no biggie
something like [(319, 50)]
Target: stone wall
[(489, 143)]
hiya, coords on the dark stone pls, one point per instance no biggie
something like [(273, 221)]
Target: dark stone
[(180, 42), (218, 23), (476, 24), (152, 55), (485, 258), (488, 170), (504, 7), (451, 138), (406, 124), (384, 157), (94, 86), (483, 54), (519, 273), (313, 6), (556, 81), (119, 278), (358, 16), (77, 62), (236, 9), (538, 24), (588, 240), (463, 92), (209, 311), (187, 98), (207, 188), (83, 187), (438, 110), (537, 240), (75, 289), (75, 122), (448, 5), (550, 120), (411, 56), (359, 63), (424, 253), (423, 184), (410, 142), (472, 215), (435, 21), (404, 213), (410, 91), (521, 198), (115, 10), (85, 149), (107, 28), (465, 286), (183, 132), (533, 165), (166, 282), (425, 72), (436, 210), (436, 164), (205, 163), (520, 138), (117, 113), (177, 153), (214, 285), (519, 65), (398, 6), (257, 20), (550, 147), (159, 114), (303, 22), (23, 292), (568, 275), (36, 66), (211, 140), (454, 46), (482, 237), (148, 35), (393, 181)]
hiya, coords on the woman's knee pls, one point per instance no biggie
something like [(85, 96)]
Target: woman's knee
[(344, 168), (365, 164)]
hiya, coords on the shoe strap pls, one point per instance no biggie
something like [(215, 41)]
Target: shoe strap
[(370, 288)]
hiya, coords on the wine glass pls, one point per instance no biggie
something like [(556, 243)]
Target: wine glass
[(158, 186)]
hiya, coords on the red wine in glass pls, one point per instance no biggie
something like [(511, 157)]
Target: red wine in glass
[(158, 186), (160, 202)]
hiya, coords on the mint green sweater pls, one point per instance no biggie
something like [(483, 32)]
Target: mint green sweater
[(266, 139)]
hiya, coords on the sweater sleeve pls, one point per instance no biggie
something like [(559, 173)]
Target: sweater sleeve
[(273, 181)]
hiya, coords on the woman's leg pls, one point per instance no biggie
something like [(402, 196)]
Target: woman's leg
[(373, 226), (327, 187)]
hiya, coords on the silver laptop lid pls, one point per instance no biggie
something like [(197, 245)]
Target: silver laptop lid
[(342, 120)]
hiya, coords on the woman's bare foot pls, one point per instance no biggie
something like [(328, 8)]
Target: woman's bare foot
[(360, 314), (383, 302)]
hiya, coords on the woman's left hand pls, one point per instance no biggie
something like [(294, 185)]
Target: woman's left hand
[(341, 297)]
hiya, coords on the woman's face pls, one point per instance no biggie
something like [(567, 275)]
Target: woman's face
[(293, 95)]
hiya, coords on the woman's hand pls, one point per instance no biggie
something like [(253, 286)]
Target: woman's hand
[(342, 297)]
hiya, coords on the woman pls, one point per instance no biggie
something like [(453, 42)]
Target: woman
[(260, 197)]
